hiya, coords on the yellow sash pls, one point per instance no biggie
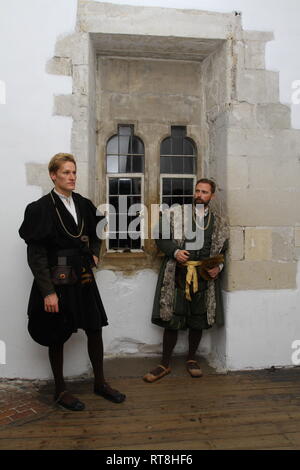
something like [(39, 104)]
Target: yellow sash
[(191, 277)]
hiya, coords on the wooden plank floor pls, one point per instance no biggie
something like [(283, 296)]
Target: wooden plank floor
[(253, 410)]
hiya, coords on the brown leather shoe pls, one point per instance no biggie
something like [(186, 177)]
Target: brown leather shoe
[(194, 369), (156, 374)]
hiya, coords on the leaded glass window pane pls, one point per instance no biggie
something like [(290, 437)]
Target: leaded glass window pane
[(165, 148), (125, 156), (177, 157), (125, 152), (124, 193), (177, 190), (177, 154), (112, 164)]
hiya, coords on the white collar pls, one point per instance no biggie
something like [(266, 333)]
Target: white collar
[(62, 196)]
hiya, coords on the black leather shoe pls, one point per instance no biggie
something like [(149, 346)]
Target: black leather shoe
[(109, 393), (75, 405)]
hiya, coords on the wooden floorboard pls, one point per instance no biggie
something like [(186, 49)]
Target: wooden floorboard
[(234, 411)]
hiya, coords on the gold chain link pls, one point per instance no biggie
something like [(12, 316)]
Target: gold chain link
[(208, 222), (59, 216)]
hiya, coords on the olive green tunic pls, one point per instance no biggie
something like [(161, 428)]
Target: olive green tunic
[(187, 314)]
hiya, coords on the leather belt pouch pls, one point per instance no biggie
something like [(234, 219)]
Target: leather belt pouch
[(63, 274)]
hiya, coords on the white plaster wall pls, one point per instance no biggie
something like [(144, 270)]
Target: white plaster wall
[(128, 303), (28, 133), (260, 325)]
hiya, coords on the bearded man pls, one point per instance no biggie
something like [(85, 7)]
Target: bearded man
[(188, 292)]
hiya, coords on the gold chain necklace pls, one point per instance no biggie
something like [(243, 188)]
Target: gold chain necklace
[(208, 222), (65, 229)]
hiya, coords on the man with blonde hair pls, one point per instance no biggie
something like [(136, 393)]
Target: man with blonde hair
[(62, 248)]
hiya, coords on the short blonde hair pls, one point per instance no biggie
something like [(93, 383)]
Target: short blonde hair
[(58, 160)]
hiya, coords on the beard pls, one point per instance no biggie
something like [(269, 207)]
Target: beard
[(198, 200)]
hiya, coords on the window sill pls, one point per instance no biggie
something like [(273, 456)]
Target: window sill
[(124, 254), (129, 263)]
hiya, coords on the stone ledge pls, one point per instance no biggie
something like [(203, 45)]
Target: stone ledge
[(73, 46), (97, 17), (263, 36), (59, 66)]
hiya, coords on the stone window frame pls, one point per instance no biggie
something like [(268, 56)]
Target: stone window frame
[(111, 175), (241, 109), (149, 257)]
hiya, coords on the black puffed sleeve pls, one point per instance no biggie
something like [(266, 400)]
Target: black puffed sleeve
[(38, 262), (37, 226), (37, 230)]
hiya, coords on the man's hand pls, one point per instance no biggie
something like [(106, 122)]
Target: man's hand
[(182, 256), (96, 260), (51, 303), (213, 272)]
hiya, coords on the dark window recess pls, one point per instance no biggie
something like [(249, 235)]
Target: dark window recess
[(177, 191), (177, 200), (178, 131), (124, 129), (178, 153), (116, 185), (124, 221), (165, 148), (177, 157), (177, 146)]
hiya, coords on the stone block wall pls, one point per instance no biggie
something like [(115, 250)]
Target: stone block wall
[(226, 98), (254, 156)]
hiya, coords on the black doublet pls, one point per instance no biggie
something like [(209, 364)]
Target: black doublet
[(80, 304)]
